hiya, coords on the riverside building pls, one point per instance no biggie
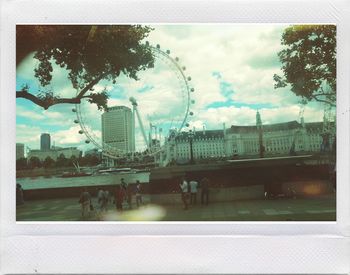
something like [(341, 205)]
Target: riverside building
[(279, 139)]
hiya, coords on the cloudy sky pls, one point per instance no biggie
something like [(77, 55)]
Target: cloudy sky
[(231, 69)]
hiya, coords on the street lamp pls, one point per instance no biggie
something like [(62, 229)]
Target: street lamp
[(190, 138)]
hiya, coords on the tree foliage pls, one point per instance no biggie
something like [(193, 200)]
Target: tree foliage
[(309, 62), (89, 54)]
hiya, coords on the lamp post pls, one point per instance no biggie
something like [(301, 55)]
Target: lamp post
[(190, 138)]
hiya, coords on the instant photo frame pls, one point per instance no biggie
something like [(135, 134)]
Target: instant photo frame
[(173, 247)]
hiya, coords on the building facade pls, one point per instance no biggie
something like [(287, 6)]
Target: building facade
[(19, 150), (55, 153), (117, 129), (280, 139), (45, 142)]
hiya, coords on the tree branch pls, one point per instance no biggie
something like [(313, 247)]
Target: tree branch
[(325, 101), (90, 85), (46, 103)]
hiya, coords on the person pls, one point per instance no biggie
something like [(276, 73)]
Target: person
[(193, 188), (102, 200), (205, 191), (19, 194), (85, 201), (129, 196), (138, 194), (124, 187), (119, 198), (184, 193)]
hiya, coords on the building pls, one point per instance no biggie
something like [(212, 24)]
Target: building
[(55, 153), (94, 152), (117, 130), (19, 150), (277, 139), (45, 142)]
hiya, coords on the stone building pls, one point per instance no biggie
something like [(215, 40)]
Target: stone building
[(279, 139)]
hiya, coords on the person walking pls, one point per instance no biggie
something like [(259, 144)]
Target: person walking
[(184, 193), (124, 188), (129, 196), (205, 183), (85, 201), (138, 194), (194, 189), (102, 201), (119, 198)]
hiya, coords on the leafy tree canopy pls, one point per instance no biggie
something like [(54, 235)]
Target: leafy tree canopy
[(309, 62), (89, 54)]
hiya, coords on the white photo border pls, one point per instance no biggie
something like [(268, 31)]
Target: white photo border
[(173, 247)]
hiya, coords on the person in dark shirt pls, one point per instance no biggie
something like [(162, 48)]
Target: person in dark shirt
[(19, 194), (119, 198), (205, 183), (85, 201)]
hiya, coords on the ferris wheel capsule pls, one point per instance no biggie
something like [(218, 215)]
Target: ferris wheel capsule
[(81, 132), (74, 110), (158, 46), (191, 113), (187, 125), (168, 51), (189, 78), (87, 141), (183, 68), (177, 59), (192, 90), (193, 101), (76, 121)]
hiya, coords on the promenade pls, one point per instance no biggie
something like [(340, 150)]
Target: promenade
[(322, 208)]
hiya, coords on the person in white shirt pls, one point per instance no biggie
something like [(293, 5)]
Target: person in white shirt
[(184, 193), (194, 188)]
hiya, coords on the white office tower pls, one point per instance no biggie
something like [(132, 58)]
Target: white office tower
[(117, 129)]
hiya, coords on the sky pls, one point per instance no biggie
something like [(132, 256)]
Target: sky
[(231, 69)]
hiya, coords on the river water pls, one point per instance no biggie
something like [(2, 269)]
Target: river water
[(58, 182)]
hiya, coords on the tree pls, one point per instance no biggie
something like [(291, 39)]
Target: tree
[(61, 161), (309, 62), (34, 162), (89, 54), (21, 164), (48, 162)]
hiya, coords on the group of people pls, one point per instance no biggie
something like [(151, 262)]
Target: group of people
[(123, 194), (189, 190)]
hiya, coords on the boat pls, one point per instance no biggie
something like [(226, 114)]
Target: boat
[(116, 170), (75, 174)]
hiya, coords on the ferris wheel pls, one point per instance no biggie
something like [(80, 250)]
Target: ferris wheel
[(177, 124)]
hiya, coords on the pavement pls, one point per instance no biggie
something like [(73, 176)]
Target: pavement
[(322, 208)]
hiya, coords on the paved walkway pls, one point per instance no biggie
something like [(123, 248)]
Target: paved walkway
[(303, 209)]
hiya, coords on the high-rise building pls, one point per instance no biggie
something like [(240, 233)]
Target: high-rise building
[(117, 129), (19, 150), (45, 142)]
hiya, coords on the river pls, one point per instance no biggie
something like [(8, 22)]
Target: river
[(58, 182)]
